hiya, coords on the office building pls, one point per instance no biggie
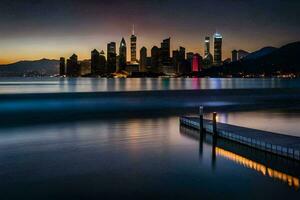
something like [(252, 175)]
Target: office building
[(122, 55), (133, 40), (73, 67), (165, 52), (111, 57), (218, 39), (197, 63), (207, 46), (234, 56), (143, 59), (155, 52)]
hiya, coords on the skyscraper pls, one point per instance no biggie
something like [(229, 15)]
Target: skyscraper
[(73, 67), (62, 66), (95, 62), (133, 40), (178, 58), (175, 59), (189, 58), (207, 46), (122, 55), (197, 63), (154, 59), (98, 63), (234, 56), (218, 49), (143, 59), (208, 58), (165, 52), (111, 57), (102, 63)]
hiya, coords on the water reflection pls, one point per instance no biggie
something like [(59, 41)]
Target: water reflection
[(269, 165), (49, 85), (263, 169)]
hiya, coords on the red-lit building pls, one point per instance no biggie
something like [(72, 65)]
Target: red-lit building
[(197, 63)]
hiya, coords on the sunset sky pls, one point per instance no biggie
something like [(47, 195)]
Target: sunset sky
[(35, 29)]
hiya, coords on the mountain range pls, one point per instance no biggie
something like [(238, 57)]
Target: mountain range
[(260, 53), (268, 60), (36, 67)]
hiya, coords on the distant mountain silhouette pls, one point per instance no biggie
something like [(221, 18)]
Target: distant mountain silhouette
[(260, 53), (267, 60), (36, 67)]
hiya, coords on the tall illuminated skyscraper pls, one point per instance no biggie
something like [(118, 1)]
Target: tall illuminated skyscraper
[(133, 40), (218, 49), (122, 55), (207, 46)]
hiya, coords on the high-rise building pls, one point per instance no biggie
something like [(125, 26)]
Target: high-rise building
[(182, 53), (111, 57), (122, 55), (62, 66), (143, 59), (234, 56), (98, 63), (73, 67), (133, 40), (175, 59), (178, 58), (207, 46), (165, 52), (189, 59), (102, 63), (197, 63), (95, 62), (155, 52), (189, 56), (85, 67), (218, 49)]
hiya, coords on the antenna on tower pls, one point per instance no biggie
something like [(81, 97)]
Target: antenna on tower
[(132, 29)]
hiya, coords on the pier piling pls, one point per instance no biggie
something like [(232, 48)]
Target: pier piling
[(201, 120), (215, 123)]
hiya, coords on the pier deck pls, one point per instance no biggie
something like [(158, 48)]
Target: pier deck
[(283, 145)]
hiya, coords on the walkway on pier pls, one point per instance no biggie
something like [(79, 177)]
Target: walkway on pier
[(284, 145)]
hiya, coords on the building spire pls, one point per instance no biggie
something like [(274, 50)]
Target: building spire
[(132, 29)]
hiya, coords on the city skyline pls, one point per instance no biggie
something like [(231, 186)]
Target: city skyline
[(51, 30)]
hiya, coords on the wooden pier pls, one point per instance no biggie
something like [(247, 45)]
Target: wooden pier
[(283, 145)]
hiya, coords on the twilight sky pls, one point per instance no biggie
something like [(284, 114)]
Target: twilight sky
[(35, 29)]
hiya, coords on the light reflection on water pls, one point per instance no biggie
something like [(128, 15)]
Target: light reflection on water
[(266, 171), (50, 85), (131, 158)]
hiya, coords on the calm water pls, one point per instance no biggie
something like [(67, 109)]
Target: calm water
[(49, 85), (146, 155)]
